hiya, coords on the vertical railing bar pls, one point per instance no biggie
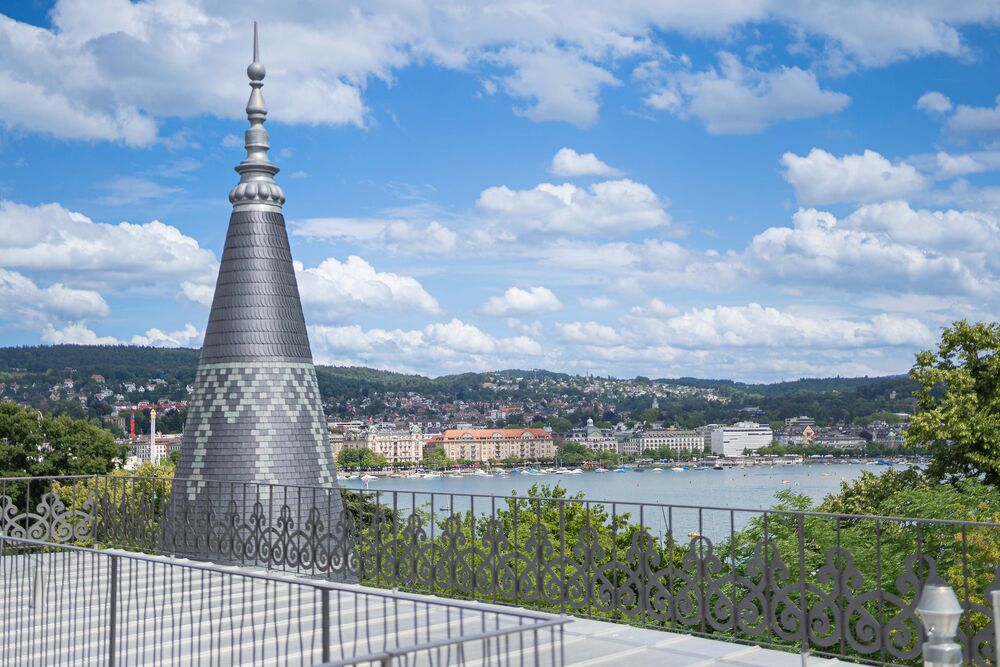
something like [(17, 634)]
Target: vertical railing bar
[(842, 629), (966, 603), (494, 582), (563, 589), (702, 570), (112, 608), (767, 579), (882, 638), (803, 609), (732, 570), (670, 570), (452, 557), (378, 538), (395, 538)]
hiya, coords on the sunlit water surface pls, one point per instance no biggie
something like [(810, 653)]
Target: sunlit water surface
[(660, 500)]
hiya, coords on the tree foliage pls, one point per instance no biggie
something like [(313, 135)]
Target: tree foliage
[(572, 453), (33, 446), (435, 457), (362, 457), (959, 403)]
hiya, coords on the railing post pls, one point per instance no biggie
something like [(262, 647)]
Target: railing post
[(940, 612), (325, 620), (995, 595), (112, 610)]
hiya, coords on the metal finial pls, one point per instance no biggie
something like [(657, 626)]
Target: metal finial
[(256, 48), (256, 186)]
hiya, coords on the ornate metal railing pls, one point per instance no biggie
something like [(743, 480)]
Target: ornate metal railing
[(837, 585)]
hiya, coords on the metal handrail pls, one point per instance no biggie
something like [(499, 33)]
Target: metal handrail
[(593, 501), (386, 656), (321, 584)]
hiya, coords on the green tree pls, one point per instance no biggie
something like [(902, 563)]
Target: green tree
[(434, 457), (573, 453), (607, 457), (560, 424), (959, 403), (20, 439), (67, 407), (33, 446), (362, 457)]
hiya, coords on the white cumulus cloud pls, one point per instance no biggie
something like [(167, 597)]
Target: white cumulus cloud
[(607, 207), (334, 289), (736, 99), (567, 162), (22, 299), (76, 333), (517, 301), (53, 240), (88, 76), (436, 348), (395, 235), (189, 336), (823, 178), (934, 102), (976, 120)]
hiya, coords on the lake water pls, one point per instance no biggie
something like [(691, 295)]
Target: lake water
[(740, 489)]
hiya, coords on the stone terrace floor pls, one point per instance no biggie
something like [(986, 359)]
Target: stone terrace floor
[(588, 642)]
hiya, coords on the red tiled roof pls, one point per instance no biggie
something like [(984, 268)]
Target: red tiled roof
[(487, 433)]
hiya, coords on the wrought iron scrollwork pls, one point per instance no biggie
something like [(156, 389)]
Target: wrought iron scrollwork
[(773, 590)]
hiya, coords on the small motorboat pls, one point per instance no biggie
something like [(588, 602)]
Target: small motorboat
[(600, 470)]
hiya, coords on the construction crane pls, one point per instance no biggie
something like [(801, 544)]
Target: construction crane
[(146, 406)]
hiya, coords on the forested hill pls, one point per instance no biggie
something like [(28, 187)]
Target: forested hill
[(814, 385), (119, 363), (33, 374)]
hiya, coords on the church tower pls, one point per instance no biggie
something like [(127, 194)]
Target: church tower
[(256, 417)]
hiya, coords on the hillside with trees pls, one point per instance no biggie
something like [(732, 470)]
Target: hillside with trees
[(99, 375)]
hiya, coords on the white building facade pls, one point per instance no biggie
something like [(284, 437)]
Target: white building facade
[(396, 445), (732, 441), (665, 438)]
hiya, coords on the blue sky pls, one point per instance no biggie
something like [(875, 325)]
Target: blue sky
[(752, 190)]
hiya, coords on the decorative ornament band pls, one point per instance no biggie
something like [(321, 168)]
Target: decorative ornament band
[(256, 171)]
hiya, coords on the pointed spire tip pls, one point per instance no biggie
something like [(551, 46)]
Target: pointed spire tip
[(256, 71), (256, 49)]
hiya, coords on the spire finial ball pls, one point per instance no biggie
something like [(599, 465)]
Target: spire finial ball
[(256, 71)]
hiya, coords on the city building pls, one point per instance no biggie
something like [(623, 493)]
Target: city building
[(679, 440), (396, 445), (595, 438), (795, 435), (742, 436), (496, 443), (799, 422), (841, 441)]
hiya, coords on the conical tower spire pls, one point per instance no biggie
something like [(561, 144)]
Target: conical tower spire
[(256, 415), (256, 172)]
